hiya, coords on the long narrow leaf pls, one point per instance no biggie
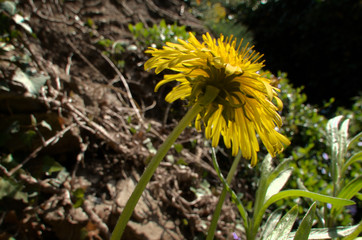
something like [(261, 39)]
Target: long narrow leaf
[(265, 171), (354, 140), (306, 224), (347, 192), (281, 167), (333, 140), (278, 183), (299, 193), (318, 212), (343, 140), (353, 187), (271, 222), (285, 225), (353, 159), (328, 233), (355, 233), (332, 130), (239, 205)]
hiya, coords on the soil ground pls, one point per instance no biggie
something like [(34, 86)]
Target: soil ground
[(106, 124)]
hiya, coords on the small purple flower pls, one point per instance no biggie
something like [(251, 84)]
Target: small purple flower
[(236, 237)]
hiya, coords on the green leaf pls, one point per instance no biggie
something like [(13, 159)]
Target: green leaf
[(347, 192), (278, 183), (299, 193), (28, 137), (130, 28), (353, 187), (79, 197), (239, 205), (7, 187), (315, 196), (353, 159), (332, 136), (266, 168), (338, 138), (31, 83), (354, 140), (343, 140), (271, 222), (163, 23), (285, 225), (355, 233), (11, 188), (281, 167), (138, 26), (178, 147), (328, 233), (265, 171), (306, 224), (51, 166)]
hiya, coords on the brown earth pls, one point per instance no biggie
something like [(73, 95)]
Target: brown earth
[(106, 123)]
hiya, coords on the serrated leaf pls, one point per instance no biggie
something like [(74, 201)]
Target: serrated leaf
[(278, 183), (306, 224), (285, 225), (271, 222), (31, 83)]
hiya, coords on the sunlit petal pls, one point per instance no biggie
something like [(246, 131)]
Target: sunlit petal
[(244, 108)]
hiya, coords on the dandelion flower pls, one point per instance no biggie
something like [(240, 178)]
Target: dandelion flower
[(246, 105)]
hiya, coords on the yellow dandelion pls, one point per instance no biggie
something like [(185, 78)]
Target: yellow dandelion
[(244, 106)]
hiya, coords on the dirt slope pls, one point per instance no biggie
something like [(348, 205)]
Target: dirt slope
[(106, 122)]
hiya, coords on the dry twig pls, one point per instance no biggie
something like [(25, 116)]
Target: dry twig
[(95, 218), (48, 142)]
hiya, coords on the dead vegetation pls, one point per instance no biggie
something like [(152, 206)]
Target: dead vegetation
[(105, 122)]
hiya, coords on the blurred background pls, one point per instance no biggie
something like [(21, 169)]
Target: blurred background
[(79, 118)]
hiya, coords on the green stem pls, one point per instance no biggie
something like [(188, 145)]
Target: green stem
[(210, 95), (216, 215)]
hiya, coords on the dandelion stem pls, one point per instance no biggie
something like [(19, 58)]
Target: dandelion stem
[(209, 96), (216, 215)]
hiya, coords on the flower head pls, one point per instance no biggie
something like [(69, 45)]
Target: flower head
[(244, 106)]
